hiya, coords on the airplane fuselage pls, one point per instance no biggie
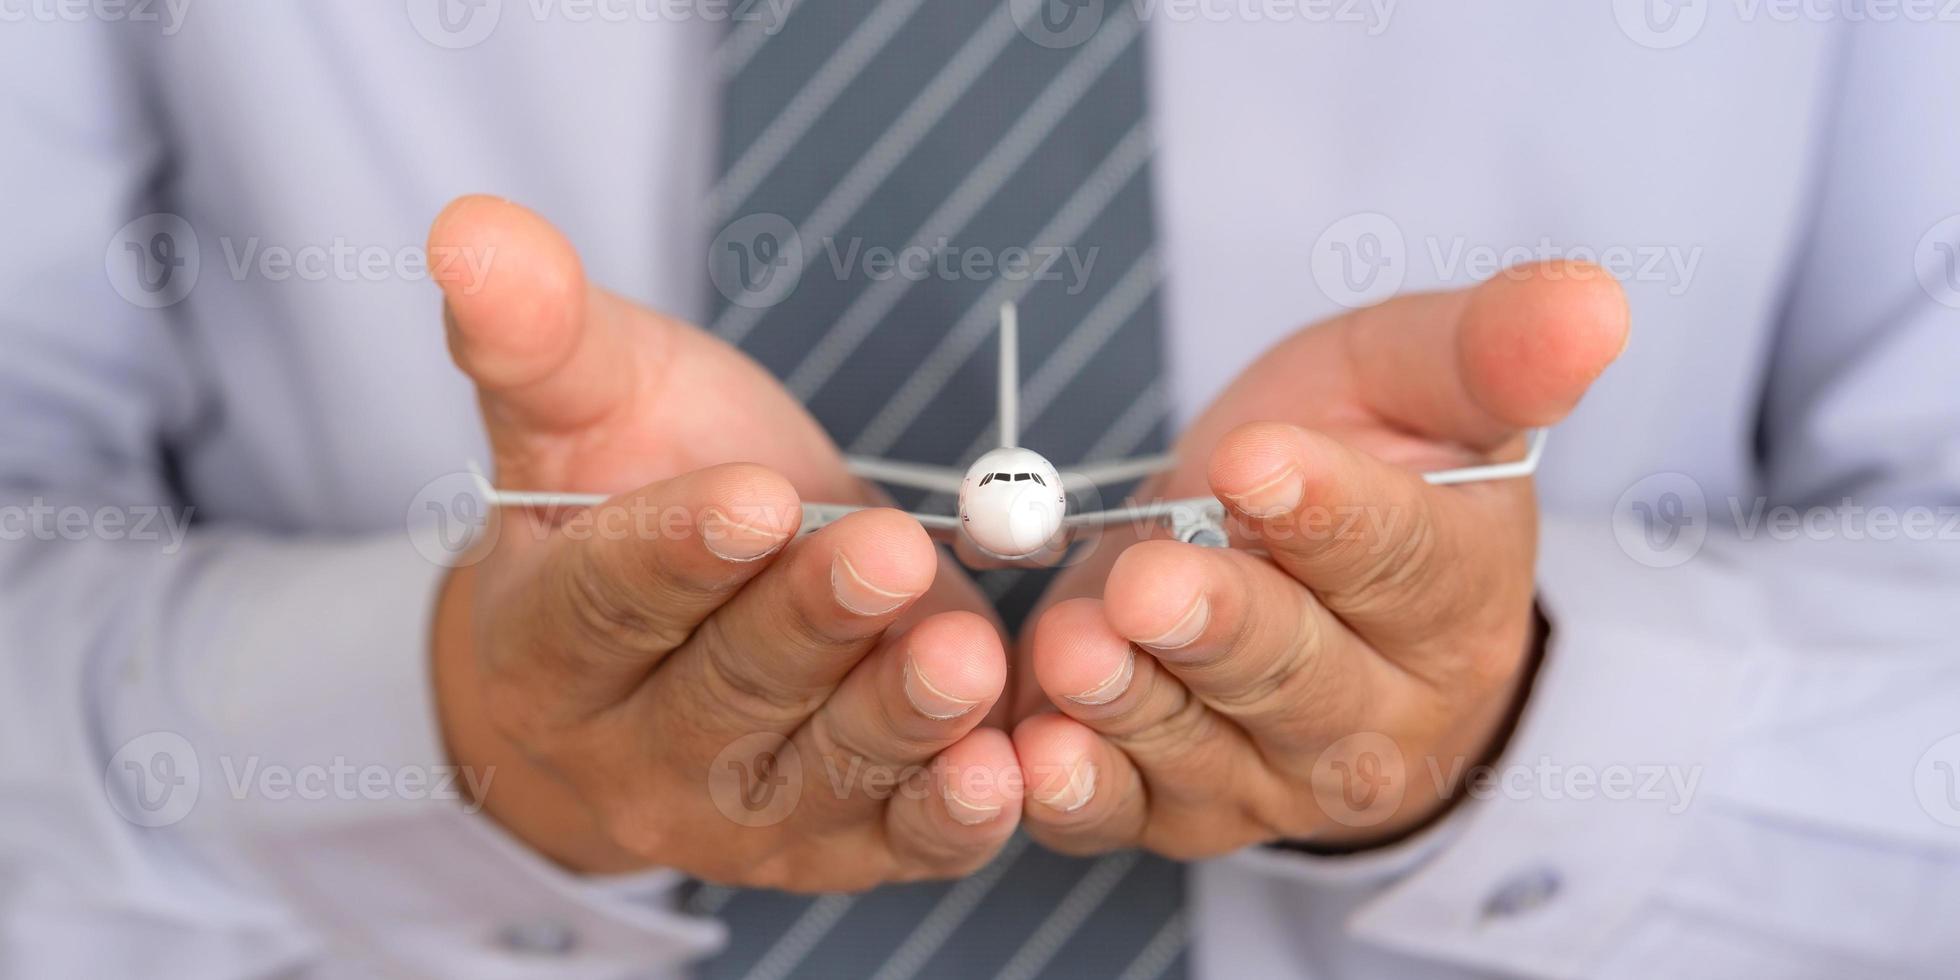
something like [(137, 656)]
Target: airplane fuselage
[(1012, 503)]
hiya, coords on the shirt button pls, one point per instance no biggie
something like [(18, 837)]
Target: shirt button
[(538, 938), (1521, 893)]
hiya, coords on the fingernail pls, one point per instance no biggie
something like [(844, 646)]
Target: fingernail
[(1278, 495), (1076, 792), (1111, 687), (1187, 630), (858, 595), (929, 699), (970, 814), (732, 540)]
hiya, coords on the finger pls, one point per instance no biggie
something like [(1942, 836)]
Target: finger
[(1084, 796), (767, 660), (964, 806), (902, 705), (1095, 676), (1384, 551), (1474, 366), (626, 583), (1246, 640), (547, 351)]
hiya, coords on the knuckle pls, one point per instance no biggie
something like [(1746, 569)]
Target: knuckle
[(644, 832), (1270, 681), (1289, 684), (844, 745), (1386, 576), (603, 611), (1074, 841), (941, 864), (738, 682), (921, 855), (1178, 731)]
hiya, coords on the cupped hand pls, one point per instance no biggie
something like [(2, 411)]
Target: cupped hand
[(1367, 632), (672, 678)]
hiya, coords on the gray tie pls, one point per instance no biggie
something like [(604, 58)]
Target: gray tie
[(891, 175)]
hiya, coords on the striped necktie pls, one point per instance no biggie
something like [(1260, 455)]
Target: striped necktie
[(889, 176)]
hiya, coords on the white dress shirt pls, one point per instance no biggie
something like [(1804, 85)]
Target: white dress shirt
[(1737, 760)]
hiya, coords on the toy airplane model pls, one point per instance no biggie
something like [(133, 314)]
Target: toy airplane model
[(1012, 502)]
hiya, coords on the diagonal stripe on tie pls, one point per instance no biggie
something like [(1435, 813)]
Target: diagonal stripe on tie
[(987, 178), (941, 134)]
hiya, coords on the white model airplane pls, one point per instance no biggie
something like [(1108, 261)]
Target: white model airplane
[(1012, 502)]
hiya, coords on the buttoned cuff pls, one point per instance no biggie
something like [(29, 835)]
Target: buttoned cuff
[(1565, 838), (309, 763)]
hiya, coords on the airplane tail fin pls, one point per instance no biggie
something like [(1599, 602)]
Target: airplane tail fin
[(1009, 414)]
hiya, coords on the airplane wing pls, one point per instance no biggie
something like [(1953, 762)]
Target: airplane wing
[(530, 498), (922, 476), (815, 515), (1534, 449), (1090, 475), (1195, 520), (941, 527), (1201, 520)]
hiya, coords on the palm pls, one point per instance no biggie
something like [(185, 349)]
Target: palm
[(584, 391), (1427, 381)]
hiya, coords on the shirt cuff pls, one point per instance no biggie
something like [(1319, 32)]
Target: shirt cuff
[(1560, 843), (1373, 866), (308, 762)]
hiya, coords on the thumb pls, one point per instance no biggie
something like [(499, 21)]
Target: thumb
[(542, 347), (1474, 366)]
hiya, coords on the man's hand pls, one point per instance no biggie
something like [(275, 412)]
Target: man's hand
[(1214, 698), (669, 678)]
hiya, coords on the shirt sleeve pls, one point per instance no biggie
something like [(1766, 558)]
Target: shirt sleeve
[(1740, 754), (219, 751)]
